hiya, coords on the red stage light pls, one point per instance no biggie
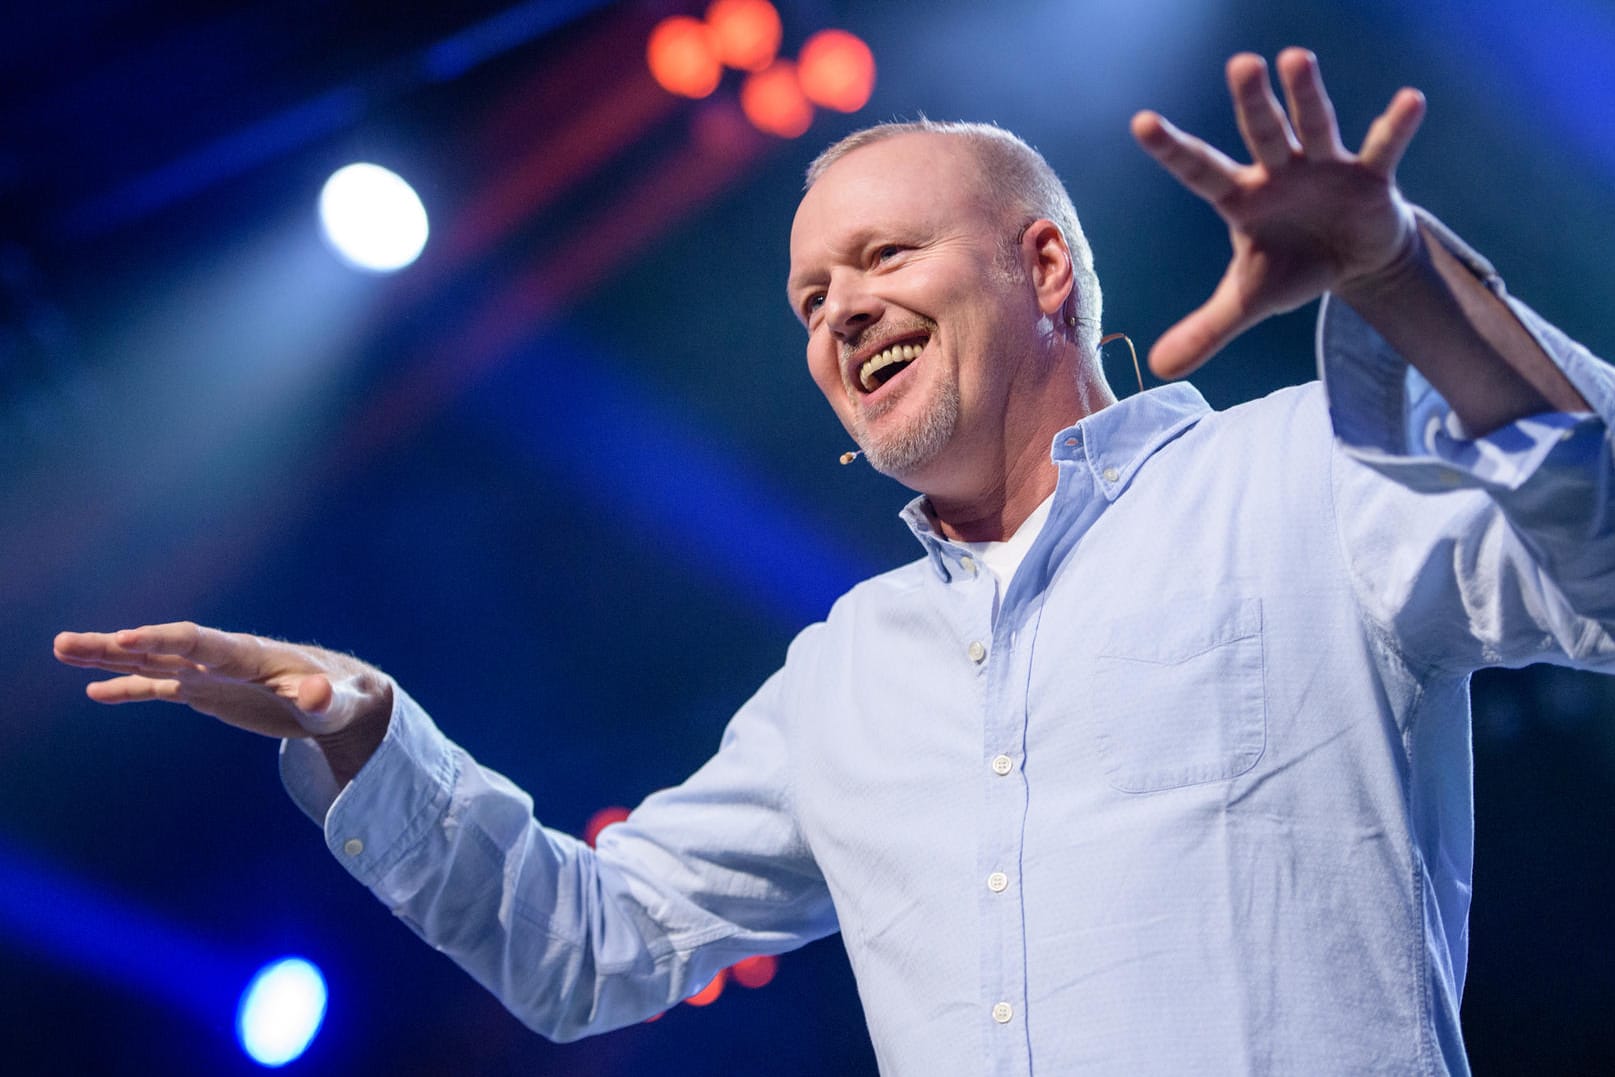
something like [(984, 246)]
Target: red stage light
[(600, 820), (772, 100), (709, 994), (755, 971), (748, 32), (837, 70), (683, 56)]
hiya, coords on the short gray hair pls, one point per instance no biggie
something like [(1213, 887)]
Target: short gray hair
[(1017, 177)]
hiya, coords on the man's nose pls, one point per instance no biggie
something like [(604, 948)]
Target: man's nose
[(850, 307)]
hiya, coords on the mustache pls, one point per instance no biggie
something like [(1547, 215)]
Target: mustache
[(885, 331)]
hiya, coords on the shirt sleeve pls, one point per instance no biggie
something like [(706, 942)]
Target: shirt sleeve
[(575, 940), (1498, 550)]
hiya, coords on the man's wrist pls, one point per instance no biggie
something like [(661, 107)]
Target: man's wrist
[(1365, 291), (348, 749)]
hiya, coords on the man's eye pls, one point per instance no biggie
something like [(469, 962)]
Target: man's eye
[(891, 250), (813, 303)]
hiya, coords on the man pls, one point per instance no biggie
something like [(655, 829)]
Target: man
[(1167, 731)]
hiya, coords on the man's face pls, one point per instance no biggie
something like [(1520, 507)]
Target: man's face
[(915, 323)]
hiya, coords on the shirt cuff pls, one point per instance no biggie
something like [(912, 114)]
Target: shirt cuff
[(1386, 414), (397, 796)]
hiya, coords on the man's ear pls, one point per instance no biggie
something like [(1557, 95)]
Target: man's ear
[(1048, 265)]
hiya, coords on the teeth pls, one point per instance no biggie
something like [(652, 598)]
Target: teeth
[(897, 353)]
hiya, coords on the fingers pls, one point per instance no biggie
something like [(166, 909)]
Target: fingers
[(134, 689), (1307, 213), (1312, 114), (205, 646), (145, 677), (1195, 339), (86, 648), (96, 650), (1261, 121), (1389, 135), (1201, 168), (164, 647)]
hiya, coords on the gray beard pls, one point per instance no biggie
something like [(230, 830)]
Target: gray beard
[(898, 452)]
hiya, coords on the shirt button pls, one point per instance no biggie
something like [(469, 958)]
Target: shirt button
[(1002, 1013), (998, 882), (977, 651), (1002, 765), (969, 564), (1110, 474), (353, 846)]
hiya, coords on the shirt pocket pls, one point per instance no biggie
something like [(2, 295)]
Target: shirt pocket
[(1181, 695)]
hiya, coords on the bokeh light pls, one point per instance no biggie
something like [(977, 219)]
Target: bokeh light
[(755, 971), (709, 994), (837, 70), (683, 56), (772, 100), (600, 820), (372, 219), (281, 1011), (748, 32)]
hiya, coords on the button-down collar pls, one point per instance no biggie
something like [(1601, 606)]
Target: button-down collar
[(1112, 443)]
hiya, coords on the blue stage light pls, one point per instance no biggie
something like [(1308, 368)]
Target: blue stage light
[(692, 493), (281, 1011), (372, 219)]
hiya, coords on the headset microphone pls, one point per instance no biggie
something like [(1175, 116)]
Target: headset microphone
[(849, 457)]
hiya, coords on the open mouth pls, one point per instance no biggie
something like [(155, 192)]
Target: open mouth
[(885, 364)]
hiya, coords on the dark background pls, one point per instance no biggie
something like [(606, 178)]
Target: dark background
[(543, 476)]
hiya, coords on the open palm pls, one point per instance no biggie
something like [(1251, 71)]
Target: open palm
[(266, 686), (1306, 216)]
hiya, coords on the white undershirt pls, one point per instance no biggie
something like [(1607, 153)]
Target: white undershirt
[(1003, 558)]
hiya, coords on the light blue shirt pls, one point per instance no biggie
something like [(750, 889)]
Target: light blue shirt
[(1196, 800)]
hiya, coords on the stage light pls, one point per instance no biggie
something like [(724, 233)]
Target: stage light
[(683, 56), (748, 32), (600, 820), (755, 971), (772, 100), (709, 994), (372, 219), (281, 1011), (837, 70)]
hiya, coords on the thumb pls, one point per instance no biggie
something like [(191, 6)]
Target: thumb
[(315, 695), (1203, 333)]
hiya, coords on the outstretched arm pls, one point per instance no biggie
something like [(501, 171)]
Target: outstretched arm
[(262, 685), (1307, 216), (572, 940)]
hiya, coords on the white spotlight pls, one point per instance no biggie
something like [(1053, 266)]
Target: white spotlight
[(281, 1011), (372, 219)]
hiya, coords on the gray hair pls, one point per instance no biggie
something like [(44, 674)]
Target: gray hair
[(1016, 177)]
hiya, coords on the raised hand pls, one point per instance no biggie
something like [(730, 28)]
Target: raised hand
[(1306, 216), (263, 685)]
